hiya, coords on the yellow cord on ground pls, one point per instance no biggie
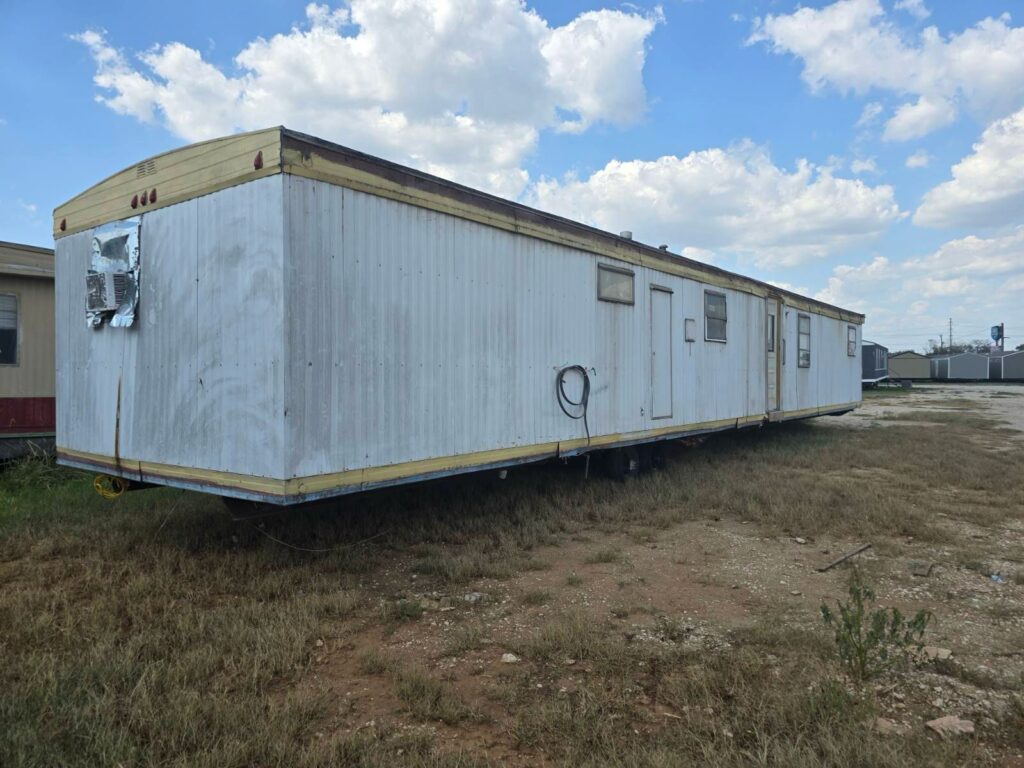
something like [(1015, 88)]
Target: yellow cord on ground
[(109, 487)]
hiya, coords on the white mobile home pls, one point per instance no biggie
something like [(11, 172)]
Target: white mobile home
[(274, 317)]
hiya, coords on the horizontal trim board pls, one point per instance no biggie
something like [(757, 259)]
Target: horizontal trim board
[(297, 490)]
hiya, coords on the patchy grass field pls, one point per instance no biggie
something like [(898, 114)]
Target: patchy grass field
[(543, 620)]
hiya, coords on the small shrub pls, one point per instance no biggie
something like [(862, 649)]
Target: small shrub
[(872, 640), (402, 610), (537, 597), (574, 580)]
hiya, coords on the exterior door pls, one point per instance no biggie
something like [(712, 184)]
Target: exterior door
[(771, 326), (661, 352)]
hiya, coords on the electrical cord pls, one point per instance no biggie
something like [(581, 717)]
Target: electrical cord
[(581, 404)]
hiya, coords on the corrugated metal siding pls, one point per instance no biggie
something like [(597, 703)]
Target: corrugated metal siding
[(200, 372), (289, 327), (416, 335)]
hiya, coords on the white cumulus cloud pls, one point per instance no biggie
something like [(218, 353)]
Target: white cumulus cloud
[(987, 188), (915, 8), (732, 199), (853, 45), (975, 280), (919, 159), (460, 88)]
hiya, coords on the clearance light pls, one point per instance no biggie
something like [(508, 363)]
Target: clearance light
[(257, 162), (143, 198), (135, 201), (63, 224), (152, 195)]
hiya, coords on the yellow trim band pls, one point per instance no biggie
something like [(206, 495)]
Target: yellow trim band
[(371, 476)]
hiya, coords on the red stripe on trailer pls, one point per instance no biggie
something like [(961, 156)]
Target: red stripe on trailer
[(27, 414)]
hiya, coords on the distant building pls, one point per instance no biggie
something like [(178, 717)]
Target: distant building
[(1007, 366), (26, 348), (874, 359), (909, 365), (965, 366)]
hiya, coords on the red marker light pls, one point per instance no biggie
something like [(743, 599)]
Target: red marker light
[(63, 224), (143, 198), (257, 162), (152, 195), (135, 201)]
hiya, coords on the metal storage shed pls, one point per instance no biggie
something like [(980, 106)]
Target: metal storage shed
[(874, 362), (26, 348), (1013, 366), (909, 365), (278, 318), (967, 366)]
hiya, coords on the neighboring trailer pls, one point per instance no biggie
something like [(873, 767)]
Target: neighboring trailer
[(279, 318), (965, 366), (27, 412), (909, 365), (874, 363), (1012, 368)]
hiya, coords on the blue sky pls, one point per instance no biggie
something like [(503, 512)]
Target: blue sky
[(764, 137)]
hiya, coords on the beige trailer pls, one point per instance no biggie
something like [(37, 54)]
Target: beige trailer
[(26, 348)]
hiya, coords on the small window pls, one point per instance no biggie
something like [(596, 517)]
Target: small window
[(803, 354), (614, 284), (851, 340), (714, 316), (771, 332), (8, 329)]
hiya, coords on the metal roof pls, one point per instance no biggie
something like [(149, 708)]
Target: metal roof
[(25, 260)]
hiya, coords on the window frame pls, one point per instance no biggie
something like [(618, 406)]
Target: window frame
[(17, 329), (725, 319), (772, 323), (851, 344), (619, 271), (799, 346)]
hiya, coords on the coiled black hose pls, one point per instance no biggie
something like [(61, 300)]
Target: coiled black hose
[(579, 407)]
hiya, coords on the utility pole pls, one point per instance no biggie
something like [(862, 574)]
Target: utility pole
[(1002, 337), (951, 334), (942, 343)]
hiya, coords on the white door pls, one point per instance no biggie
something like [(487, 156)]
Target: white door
[(661, 352), (771, 326)]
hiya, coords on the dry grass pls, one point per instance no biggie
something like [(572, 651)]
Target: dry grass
[(154, 630)]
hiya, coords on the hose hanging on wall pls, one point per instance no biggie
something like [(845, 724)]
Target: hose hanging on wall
[(574, 409)]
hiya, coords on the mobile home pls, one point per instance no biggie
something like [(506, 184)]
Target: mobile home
[(273, 317), (26, 349), (909, 365), (874, 363)]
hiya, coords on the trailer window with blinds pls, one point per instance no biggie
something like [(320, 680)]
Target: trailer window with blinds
[(851, 340), (715, 316), (8, 329), (614, 284), (803, 350)]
